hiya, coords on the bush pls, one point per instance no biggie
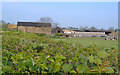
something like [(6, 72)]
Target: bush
[(58, 34), (3, 29), (54, 37), (40, 34)]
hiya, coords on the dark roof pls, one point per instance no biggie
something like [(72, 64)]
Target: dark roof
[(77, 30), (34, 24), (90, 30)]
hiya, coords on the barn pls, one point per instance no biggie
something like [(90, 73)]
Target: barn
[(106, 32), (57, 30), (34, 27), (93, 33), (88, 33)]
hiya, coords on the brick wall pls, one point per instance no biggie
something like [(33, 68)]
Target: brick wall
[(22, 28), (32, 29)]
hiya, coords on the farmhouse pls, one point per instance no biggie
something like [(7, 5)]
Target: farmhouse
[(34, 27)]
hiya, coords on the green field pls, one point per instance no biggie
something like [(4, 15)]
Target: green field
[(36, 53), (98, 41)]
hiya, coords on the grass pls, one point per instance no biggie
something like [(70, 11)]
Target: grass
[(99, 42)]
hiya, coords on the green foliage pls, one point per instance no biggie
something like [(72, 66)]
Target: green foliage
[(40, 34), (58, 34), (31, 53), (4, 26), (67, 67)]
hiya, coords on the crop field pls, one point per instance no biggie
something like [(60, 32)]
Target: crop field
[(32, 53)]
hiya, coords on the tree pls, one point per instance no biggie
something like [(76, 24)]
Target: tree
[(49, 20), (93, 28), (102, 29), (111, 29), (3, 24), (55, 25), (116, 30), (81, 28), (46, 20), (86, 27)]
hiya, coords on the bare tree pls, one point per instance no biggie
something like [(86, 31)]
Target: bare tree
[(82, 28), (102, 29), (49, 20), (55, 25), (3, 24), (86, 27), (111, 29), (93, 28), (46, 20)]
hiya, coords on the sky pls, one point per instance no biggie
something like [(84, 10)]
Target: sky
[(60, 0), (67, 14)]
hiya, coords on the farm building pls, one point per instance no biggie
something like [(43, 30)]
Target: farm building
[(34, 27), (106, 32), (68, 31), (57, 30), (114, 34), (89, 33), (12, 26)]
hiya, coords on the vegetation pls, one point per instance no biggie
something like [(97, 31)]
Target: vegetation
[(30, 53), (100, 42), (40, 34), (3, 24), (58, 34), (0, 52)]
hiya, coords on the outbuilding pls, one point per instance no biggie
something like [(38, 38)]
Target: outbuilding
[(34, 27)]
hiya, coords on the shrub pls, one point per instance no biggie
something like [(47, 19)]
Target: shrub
[(40, 34), (58, 34), (29, 53)]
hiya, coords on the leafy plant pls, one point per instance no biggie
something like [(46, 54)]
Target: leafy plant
[(31, 53)]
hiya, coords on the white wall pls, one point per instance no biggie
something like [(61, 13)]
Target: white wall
[(89, 33)]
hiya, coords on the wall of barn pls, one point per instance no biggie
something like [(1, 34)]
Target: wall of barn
[(22, 28), (32, 29), (89, 33)]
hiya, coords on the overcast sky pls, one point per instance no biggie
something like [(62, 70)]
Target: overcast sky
[(75, 14)]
